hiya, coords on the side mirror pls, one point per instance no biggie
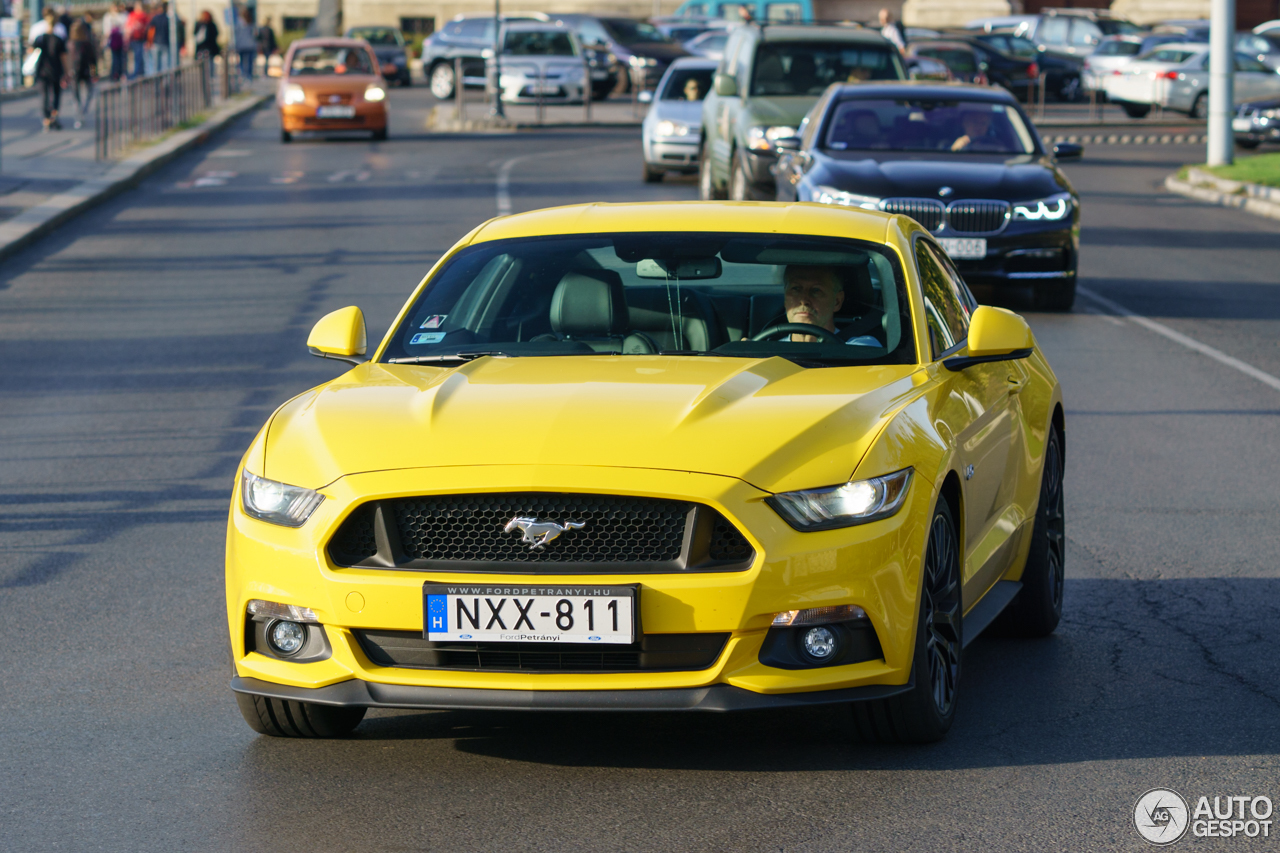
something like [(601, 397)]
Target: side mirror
[(787, 143), (339, 335), (1068, 150), (995, 335), (725, 85), (645, 97)]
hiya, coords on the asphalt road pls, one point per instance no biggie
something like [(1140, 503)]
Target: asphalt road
[(144, 343)]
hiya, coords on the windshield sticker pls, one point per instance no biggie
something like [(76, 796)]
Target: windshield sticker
[(427, 338), (435, 321)]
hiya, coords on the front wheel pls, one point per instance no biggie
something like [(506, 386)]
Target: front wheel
[(380, 135), (1136, 110), (1200, 106), (286, 137), (1037, 608), (652, 175), (283, 718), (441, 81), (1249, 144), (925, 712)]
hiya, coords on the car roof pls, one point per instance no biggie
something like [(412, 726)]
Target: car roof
[(818, 220), (924, 90), (791, 32), (533, 26), (328, 41), (694, 62)]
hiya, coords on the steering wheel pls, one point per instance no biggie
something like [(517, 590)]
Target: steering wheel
[(823, 335)]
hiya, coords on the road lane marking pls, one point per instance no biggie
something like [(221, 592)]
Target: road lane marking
[(288, 178), (339, 176), (504, 171), (1179, 338)]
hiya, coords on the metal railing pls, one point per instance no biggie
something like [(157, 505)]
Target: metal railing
[(132, 111)]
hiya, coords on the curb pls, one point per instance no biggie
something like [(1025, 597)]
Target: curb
[(1128, 138), (1251, 198), (35, 222)]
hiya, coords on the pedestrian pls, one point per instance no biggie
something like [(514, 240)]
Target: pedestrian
[(746, 15), (266, 41), (246, 44), (113, 27), (892, 30), (206, 36), (50, 41), (135, 34), (158, 58), (84, 65)]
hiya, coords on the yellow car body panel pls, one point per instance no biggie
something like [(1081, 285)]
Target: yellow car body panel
[(723, 432)]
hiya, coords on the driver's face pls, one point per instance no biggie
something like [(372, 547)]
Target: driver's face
[(813, 295), (976, 124), (692, 91)]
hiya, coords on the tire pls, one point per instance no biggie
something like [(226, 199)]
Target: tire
[(1037, 609), (652, 175), (1249, 144), (286, 137), (1200, 106), (1057, 297), (707, 189), (739, 185), (440, 80), (380, 135), (1136, 110), (280, 718), (925, 713)]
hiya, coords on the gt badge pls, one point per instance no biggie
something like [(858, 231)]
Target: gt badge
[(538, 533)]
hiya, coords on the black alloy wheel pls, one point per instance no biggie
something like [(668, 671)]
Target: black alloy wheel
[(925, 712), (1037, 609), (284, 718)]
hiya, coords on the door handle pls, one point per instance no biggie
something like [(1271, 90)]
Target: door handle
[(1016, 384)]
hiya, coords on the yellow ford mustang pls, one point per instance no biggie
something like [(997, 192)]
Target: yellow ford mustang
[(674, 456)]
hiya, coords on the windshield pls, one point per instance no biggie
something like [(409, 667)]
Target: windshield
[(807, 67), (1118, 48), (688, 84), (969, 127), (331, 60), (377, 35), (634, 32), (1171, 55), (665, 292), (1112, 27), (539, 43), (958, 59)]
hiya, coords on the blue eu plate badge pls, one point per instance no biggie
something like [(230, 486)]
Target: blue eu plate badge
[(437, 613)]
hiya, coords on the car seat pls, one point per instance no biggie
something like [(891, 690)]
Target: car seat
[(590, 306)]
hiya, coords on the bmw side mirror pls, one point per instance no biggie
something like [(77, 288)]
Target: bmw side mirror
[(787, 143), (1068, 151), (645, 97), (725, 85), (340, 335)]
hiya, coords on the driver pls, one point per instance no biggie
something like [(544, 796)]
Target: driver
[(977, 134), (692, 89), (812, 295)]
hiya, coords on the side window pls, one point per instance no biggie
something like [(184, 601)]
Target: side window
[(473, 28), (1084, 33), (454, 30), (1248, 63), (946, 299), (1053, 30)]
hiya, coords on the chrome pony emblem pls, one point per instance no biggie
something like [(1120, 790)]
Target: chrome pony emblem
[(538, 533)]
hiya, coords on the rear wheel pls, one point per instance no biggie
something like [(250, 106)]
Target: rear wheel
[(286, 136), (925, 713), (441, 80), (380, 135), (1247, 143), (652, 175), (1200, 106), (1136, 110), (282, 718), (707, 189), (1037, 608)]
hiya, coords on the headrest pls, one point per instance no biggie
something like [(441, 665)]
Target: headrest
[(589, 304)]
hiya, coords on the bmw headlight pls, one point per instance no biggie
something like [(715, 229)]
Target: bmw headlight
[(671, 128), (374, 93), (762, 137), (277, 503), (1049, 209), (845, 505), (831, 195), (294, 95)]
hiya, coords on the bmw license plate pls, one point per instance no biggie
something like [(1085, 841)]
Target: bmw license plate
[(1242, 125), (964, 248), (335, 112), (580, 613)]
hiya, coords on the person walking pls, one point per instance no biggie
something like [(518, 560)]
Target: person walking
[(206, 36), (158, 58), (49, 68), (135, 34), (84, 65), (246, 43), (266, 37), (113, 28)]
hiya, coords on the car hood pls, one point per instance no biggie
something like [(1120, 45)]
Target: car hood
[(779, 110), (685, 112), (769, 422), (657, 50), (1018, 178)]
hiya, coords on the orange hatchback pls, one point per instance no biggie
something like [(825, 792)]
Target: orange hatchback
[(331, 84)]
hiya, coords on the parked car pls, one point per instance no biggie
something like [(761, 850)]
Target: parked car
[(1268, 27), (541, 62), (330, 85), (469, 38), (1112, 52), (672, 129), (643, 47), (780, 11), (1265, 47), (1009, 52), (963, 61), (682, 29), (1176, 77), (925, 68), (1257, 122), (1069, 32), (710, 44), (389, 47), (769, 78), (964, 161), (607, 59)]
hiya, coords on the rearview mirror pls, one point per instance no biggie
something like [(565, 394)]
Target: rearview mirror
[(725, 85), (645, 97), (1068, 150), (995, 335), (339, 335), (684, 269)]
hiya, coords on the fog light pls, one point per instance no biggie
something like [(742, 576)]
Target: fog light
[(820, 643), (287, 637)]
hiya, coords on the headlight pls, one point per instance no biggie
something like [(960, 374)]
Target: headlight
[(294, 95), (671, 128), (1269, 113), (762, 138), (374, 93), (831, 195), (843, 506), (642, 61), (1046, 209), (278, 503)]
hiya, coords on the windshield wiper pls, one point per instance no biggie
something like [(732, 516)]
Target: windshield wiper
[(440, 359)]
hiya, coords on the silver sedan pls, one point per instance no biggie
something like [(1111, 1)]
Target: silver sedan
[(672, 130), (1176, 77)]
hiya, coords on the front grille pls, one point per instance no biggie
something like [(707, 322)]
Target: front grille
[(408, 649), (591, 534), (926, 211), (977, 217)]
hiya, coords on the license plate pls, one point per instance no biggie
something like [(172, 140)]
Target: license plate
[(335, 112), (964, 248), (545, 88), (1243, 125), (586, 613)]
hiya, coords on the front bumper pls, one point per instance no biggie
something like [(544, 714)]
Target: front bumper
[(296, 118), (668, 153), (876, 566), (1025, 253)]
